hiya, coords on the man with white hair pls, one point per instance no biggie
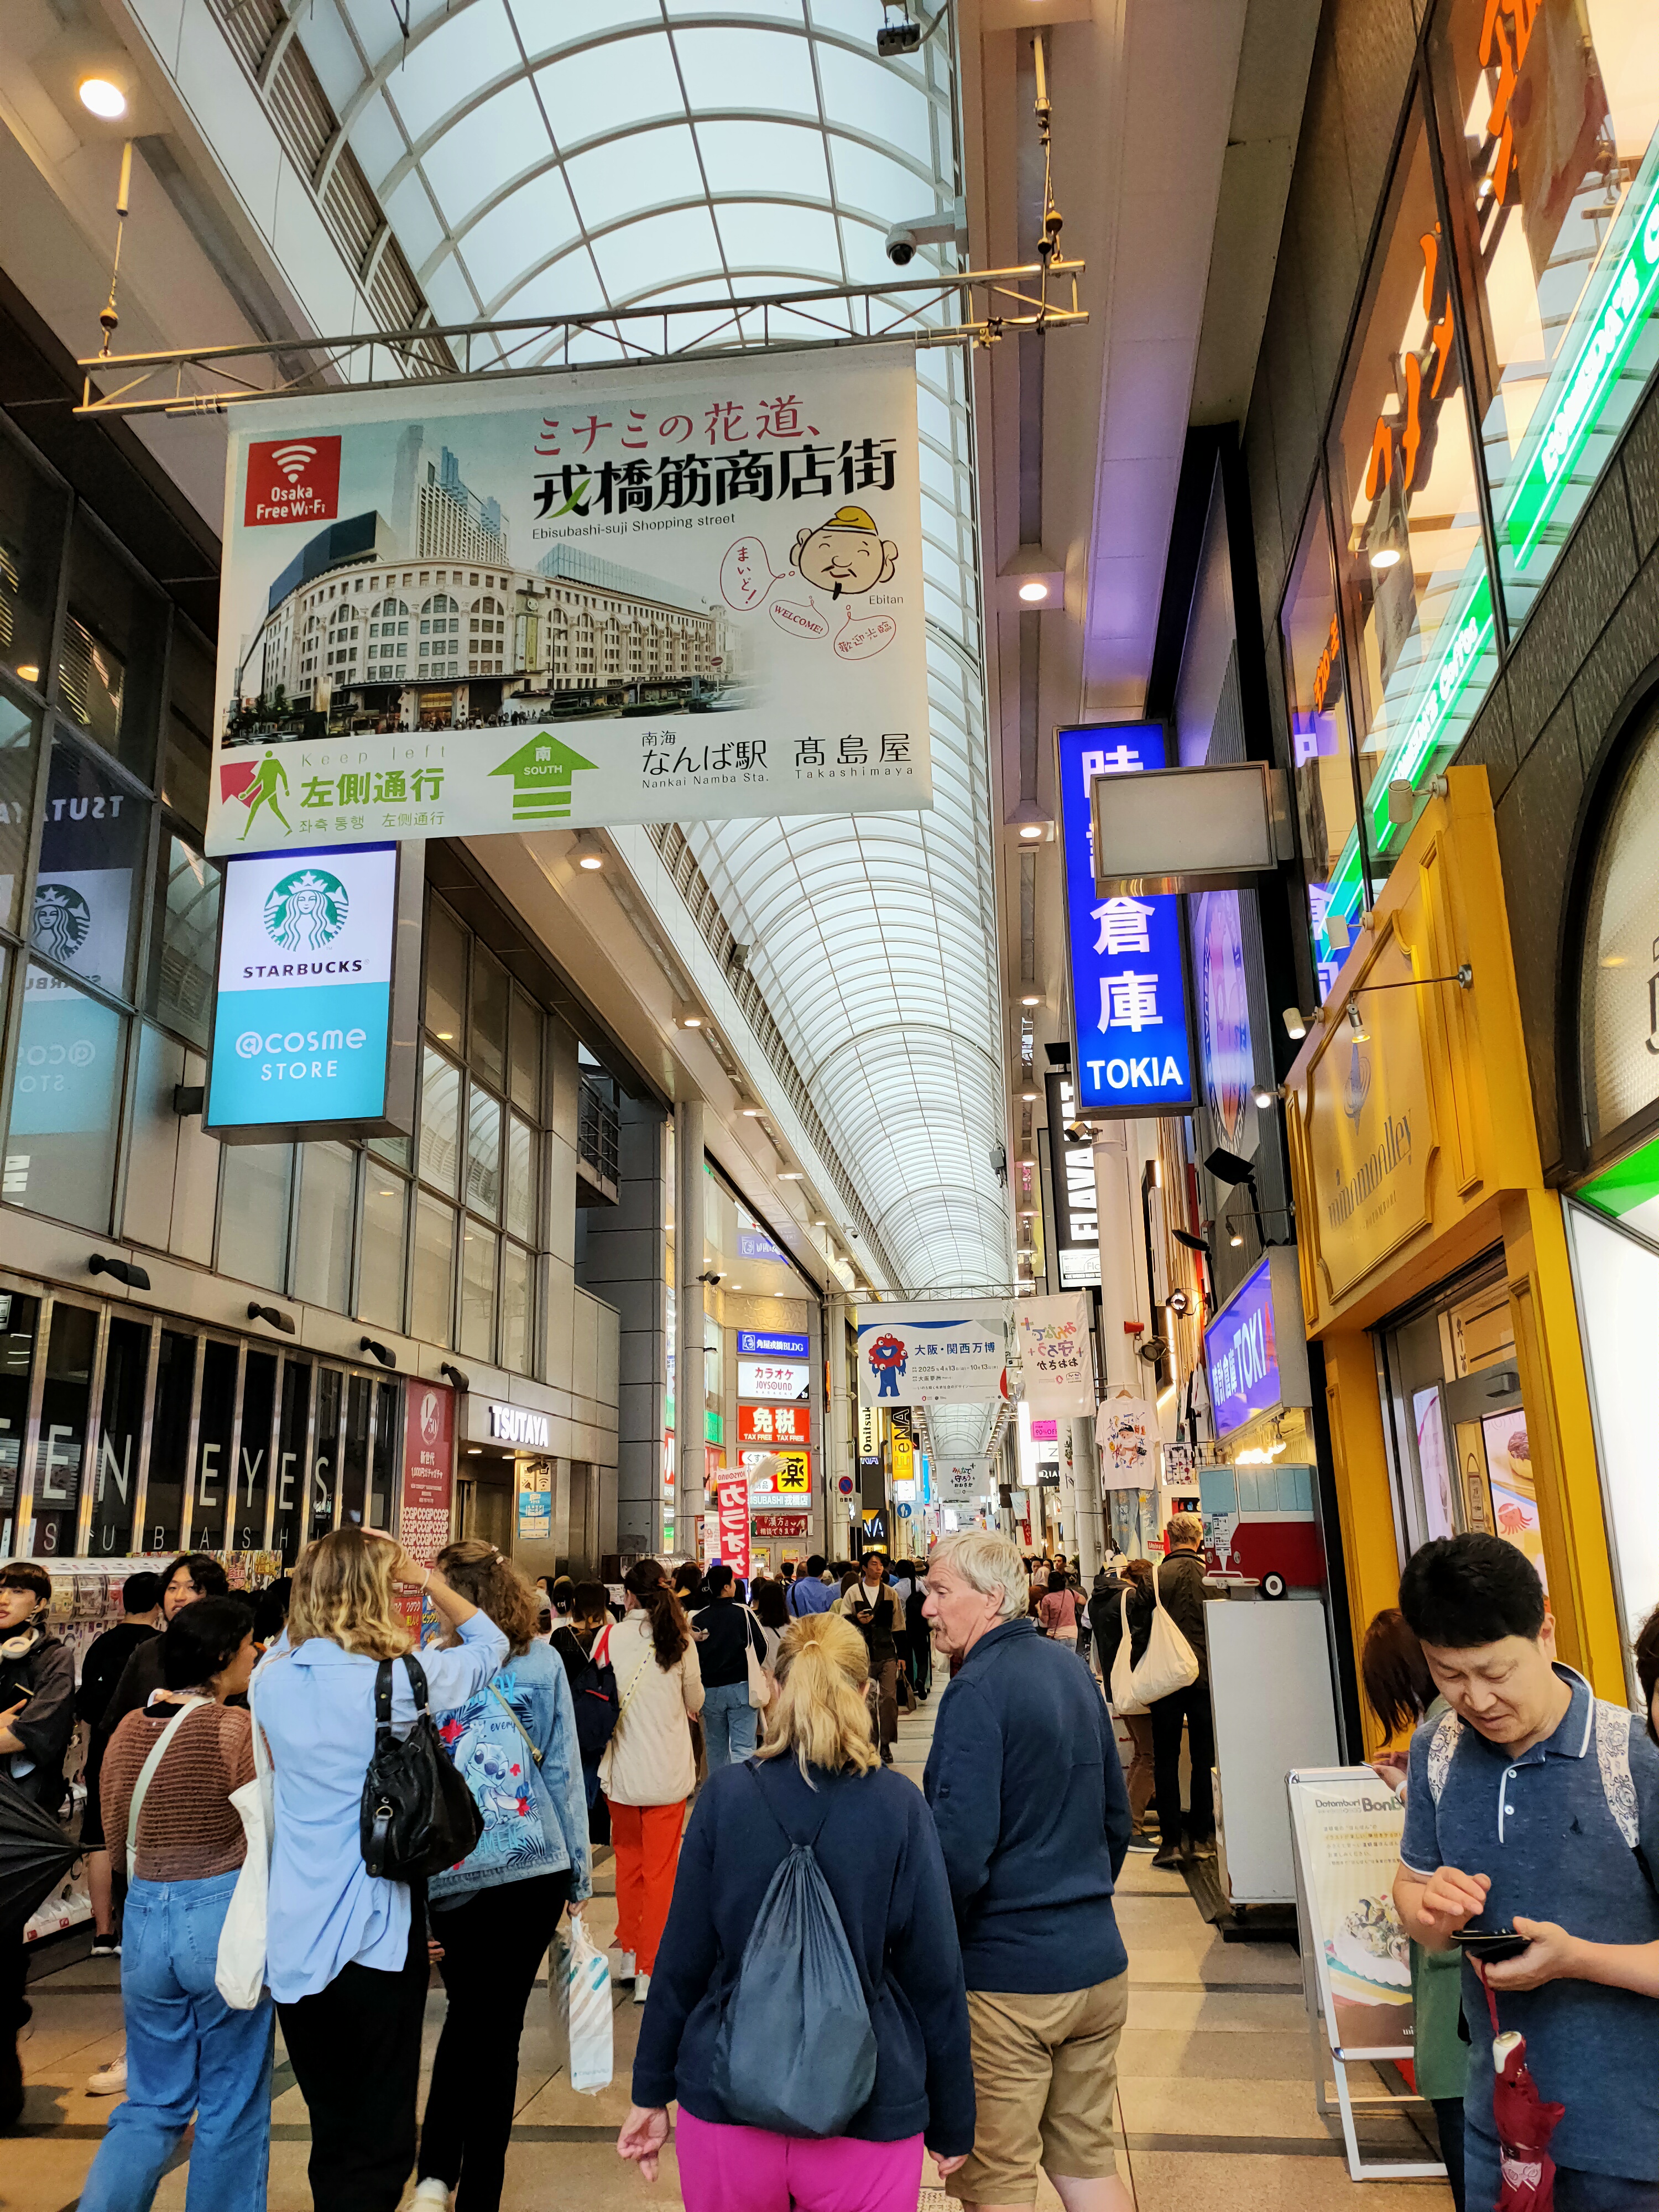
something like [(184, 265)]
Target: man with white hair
[(1028, 1796)]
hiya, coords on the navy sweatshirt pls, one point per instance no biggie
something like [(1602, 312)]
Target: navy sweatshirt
[(1033, 1817), (881, 1860)]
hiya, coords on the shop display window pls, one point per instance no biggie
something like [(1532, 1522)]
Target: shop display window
[(120, 1437), (293, 1451), (61, 1447), (110, 656), (1321, 749), (169, 1441), (92, 841), (327, 1453), (32, 516), (20, 1317), (1411, 556), (1548, 111), (20, 751), (66, 1103), (244, 1527), (383, 1458), (214, 1477)]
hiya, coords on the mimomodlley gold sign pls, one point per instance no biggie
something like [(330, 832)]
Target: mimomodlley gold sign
[(1414, 1154)]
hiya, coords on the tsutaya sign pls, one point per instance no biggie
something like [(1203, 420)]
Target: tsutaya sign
[(1130, 1051), (732, 555), (516, 1425), (314, 1018)]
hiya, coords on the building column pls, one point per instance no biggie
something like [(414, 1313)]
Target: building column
[(837, 1430), (690, 1464), (1091, 1528)]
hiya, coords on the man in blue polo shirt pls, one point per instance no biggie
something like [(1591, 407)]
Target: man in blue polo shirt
[(1530, 1802)]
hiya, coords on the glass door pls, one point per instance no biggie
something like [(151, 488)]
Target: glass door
[(328, 1439), (253, 1448), (169, 1444), (122, 1428), (61, 1442), (20, 1321), (290, 1479), (214, 1479)]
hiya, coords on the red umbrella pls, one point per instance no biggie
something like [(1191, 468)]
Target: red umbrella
[(1524, 2124)]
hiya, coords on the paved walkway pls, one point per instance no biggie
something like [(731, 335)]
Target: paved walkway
[(1214, 2106)]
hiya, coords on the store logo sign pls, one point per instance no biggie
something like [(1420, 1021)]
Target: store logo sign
[(306, 911), (516, 1425)]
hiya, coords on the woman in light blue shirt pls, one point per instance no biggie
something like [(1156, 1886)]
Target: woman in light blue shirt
[(346, 1951)]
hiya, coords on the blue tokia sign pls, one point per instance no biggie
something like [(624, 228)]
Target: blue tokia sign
[(1133, 1055)]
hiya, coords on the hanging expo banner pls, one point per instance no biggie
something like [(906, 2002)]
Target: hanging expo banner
[(1055, 1352), (964, 1481), (668, 597), (933, 1355)]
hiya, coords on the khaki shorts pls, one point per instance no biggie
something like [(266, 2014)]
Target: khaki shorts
[(1045, 2083)]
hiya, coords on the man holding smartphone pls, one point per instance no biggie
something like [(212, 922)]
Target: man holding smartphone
[(1532, 1801)]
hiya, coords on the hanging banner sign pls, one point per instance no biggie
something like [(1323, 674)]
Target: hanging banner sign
[(1131, 1050), (933, 1355), (733, 1521), (427, 1492), (1126, 1437), (963, 1481), (1055, 1353), (1071, 1171), (507, 605)]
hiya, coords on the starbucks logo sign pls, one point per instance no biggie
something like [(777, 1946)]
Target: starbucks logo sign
[(62, 922), (306, 911)]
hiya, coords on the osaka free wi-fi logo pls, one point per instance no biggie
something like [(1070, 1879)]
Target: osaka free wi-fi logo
[(306, 911)]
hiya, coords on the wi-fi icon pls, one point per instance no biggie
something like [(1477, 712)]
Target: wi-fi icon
[(292, 460)]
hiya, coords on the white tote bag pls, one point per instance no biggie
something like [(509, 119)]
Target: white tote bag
[(239, 1972), (1122, 1687), (760, 1684), (1169, 1663), (579, 1990)]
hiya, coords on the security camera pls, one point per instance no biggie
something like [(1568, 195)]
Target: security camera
[(936, 229), (902, 37)]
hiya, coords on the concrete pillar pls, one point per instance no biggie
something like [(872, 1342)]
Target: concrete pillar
[(1091, 1529), (690, 1183), (837, 1456)]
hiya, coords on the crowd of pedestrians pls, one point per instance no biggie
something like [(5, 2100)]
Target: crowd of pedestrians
[(838, 1973)]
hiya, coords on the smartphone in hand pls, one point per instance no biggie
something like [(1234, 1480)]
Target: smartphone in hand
[(1491, 1944)]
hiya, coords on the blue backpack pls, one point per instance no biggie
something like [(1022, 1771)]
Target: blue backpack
[(795, 2051), (487, 1738)]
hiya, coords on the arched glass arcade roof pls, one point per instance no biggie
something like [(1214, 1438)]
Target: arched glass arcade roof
[(568, 156)]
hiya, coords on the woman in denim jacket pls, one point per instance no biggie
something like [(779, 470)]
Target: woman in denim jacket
[(493, 1915)]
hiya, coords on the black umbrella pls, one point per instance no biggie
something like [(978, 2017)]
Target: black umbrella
[(34, 1855)]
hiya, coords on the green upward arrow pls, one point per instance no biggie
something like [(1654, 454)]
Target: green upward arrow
[(541, 771)]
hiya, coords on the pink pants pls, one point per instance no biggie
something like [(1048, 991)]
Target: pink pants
[(724, 2169)]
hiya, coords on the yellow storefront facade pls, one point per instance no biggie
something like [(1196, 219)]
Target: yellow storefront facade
[(1434, 1264)]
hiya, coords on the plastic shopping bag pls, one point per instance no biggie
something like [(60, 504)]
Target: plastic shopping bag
[(579, 1988)]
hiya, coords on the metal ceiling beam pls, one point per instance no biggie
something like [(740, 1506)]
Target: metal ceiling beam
[(1005, 306)]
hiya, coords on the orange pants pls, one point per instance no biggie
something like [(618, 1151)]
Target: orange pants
[(647, 1842)]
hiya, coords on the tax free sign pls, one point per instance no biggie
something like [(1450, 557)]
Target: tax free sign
[(1133, 1052), (313, 1030)]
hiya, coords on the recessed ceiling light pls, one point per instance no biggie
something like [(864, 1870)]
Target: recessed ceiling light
[(753, 1113), (791, 1175), (1030, 998), (1033, 591), (445, 1036), (29, 671), (1386, 557), (1031, 831), (102, 98)]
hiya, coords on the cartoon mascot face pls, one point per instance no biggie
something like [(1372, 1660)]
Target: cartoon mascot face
[(888, 1360), (846, 554)]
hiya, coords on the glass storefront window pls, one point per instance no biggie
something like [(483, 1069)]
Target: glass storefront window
[(491, 991), (515, 1309), (433, 1273), (383, 1465), (183, 936), (20, 748), (253, 1203), (1548, 111), (247, 1529), (31, 511), (477, 1290), (441, 1114), (1411, 558), (1321, 745), (326, 1451), (120, 1437), (60, 1449), (65, 1097), (526, 1075), (446, 975), (92, 862), (288, 1513), (322, 1248), (521, 1179), (484, 1153), (186, 757), (169, 1441), (19, 1319), (354, 1451), (215, 1477), (381, 1269), (109, 663)]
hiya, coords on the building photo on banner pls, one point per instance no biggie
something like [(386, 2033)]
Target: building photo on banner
[(691, 596), (954, 1354)]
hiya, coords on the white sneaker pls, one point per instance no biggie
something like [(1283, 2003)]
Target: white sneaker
[(109, 2080), (641, 1988), (433, 2191), (622, 1968)]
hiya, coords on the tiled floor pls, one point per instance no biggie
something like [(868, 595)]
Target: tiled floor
[(1215, 2102)]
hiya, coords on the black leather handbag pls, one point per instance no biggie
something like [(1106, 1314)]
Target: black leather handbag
[(417, 1816)]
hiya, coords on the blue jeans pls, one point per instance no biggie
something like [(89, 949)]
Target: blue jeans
[(187, 2052), (728, 1725)]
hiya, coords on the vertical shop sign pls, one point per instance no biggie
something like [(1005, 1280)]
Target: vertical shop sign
[(535, 1502), (429, 1481), (733, 1513), (1077, 1201), (1131, 1050)]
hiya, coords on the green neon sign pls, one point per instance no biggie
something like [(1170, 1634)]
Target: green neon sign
[(1471, 634), (1607, 347)]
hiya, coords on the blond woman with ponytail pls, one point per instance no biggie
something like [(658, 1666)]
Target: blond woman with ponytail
[(817, 1778)]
